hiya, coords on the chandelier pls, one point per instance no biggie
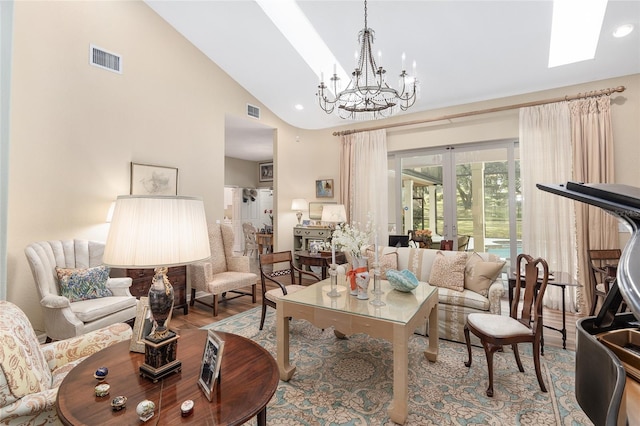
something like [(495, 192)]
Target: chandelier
[(367, 96)]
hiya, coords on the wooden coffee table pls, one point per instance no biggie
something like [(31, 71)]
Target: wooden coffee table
[(395, 322), (249, 378)]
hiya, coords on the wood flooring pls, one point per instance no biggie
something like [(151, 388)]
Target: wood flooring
[(200, 315)]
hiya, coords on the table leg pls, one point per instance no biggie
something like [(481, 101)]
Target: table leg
[(432, 351), (398, 409), (324, 272), (261, 418), (564, 321), (282, 333)]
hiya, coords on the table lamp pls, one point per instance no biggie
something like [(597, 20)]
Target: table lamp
[(157, 232), (299, 204), (334, 213)]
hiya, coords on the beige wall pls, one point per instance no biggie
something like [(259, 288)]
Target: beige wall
[(241, 173), (76, 128)]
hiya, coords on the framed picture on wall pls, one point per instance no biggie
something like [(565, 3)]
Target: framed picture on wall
[(265, 171), (147, 179), (324, 188)]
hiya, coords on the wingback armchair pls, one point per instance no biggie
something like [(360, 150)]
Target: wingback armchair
[(64, 318), (30, 374), (223, 272)]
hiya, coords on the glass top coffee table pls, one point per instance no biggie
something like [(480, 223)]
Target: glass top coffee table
[(395, 322)]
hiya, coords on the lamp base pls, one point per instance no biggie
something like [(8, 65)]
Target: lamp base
[(160, 357), (299, 216)]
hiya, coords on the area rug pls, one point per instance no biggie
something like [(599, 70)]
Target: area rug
[(350, 381)]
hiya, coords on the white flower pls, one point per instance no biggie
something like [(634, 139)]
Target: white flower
[(350, 238)]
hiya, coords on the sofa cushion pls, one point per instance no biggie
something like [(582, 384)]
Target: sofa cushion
[(387, 260), (479, 274), (448, 271), (466, 298), (84, 283)]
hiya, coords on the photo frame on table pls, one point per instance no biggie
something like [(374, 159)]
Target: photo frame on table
[(324, 188), (315, 209), (211, 359), (147, 179), (265, 172), (142, 327)]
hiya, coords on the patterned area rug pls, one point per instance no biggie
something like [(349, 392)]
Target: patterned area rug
[(349, 382)]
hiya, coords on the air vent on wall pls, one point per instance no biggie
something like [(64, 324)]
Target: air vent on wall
[(106, 60), (253, 111)]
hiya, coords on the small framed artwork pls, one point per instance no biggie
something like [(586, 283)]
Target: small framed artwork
[(324, 188), (211, 359), (153, 180), (265, 171), (142, 327)]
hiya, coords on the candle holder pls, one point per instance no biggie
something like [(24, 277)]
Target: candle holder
[(377, 290), (333, 274)]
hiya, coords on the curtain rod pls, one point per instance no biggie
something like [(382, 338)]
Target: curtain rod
[(585, 95)]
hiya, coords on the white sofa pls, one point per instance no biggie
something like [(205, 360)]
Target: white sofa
[(454, 306)]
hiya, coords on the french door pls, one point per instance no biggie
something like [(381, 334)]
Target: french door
[(466, 193)]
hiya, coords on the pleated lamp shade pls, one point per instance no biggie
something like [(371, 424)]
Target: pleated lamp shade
[(152, 231)]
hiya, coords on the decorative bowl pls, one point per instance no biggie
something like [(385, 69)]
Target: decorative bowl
[(403, 281)]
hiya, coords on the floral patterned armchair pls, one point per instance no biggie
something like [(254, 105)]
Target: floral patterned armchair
[(30, 373)]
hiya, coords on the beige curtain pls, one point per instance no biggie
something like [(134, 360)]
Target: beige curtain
[(592, 140), (363, 180), (548, 221)]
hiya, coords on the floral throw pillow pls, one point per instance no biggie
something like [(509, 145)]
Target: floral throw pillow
[(387, 261), (83, 284), (448, 271)]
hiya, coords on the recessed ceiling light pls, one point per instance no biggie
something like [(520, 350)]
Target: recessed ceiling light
[(299, 107), (623, 30)]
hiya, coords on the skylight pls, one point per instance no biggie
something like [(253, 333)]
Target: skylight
[(575, 30), (294, 25)]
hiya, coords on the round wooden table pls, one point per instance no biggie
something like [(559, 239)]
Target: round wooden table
[(249, 378), (321, 259)]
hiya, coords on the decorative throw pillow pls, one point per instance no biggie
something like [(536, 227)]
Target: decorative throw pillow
[(479, 274), (448, 271), (83, 284), (387, 261)]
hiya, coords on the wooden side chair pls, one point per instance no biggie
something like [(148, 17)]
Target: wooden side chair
[(250, 239), (496, 331), (272, 267), (602, 264)]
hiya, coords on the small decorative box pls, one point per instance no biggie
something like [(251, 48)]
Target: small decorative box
[(101, 373), (118, 403), (145, 410), (102, 389), (187, 408)]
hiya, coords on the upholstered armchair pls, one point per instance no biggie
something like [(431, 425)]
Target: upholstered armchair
[(66, 317), (31, 373), (223, 272)]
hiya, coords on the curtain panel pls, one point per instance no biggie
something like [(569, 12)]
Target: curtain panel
[(364, 181)]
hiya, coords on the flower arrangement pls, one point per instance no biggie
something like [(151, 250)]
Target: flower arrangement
[(423, 233), (351, 239)]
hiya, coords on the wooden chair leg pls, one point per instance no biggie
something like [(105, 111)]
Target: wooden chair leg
[(193, 296), (594, 303), (253, 293), (264, 313), (516, 353), (536, 363), (489, 353), (215, 305), (467, 339)]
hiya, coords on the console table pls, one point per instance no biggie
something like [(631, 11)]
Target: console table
[(248, 380)]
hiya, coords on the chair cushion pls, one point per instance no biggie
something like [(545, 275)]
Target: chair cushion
[(227, 281), (276, 293), (448, 271), (498, 325), (387, 260), (479, 274), (93, 309), (83, 283)]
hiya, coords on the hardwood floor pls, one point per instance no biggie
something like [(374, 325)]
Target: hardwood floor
[(200, 315)]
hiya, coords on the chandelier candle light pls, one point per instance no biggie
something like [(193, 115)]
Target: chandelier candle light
[(367, 96)]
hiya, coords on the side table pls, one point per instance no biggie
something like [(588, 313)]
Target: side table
[(322, 259), (248, 379), (177, 276)]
